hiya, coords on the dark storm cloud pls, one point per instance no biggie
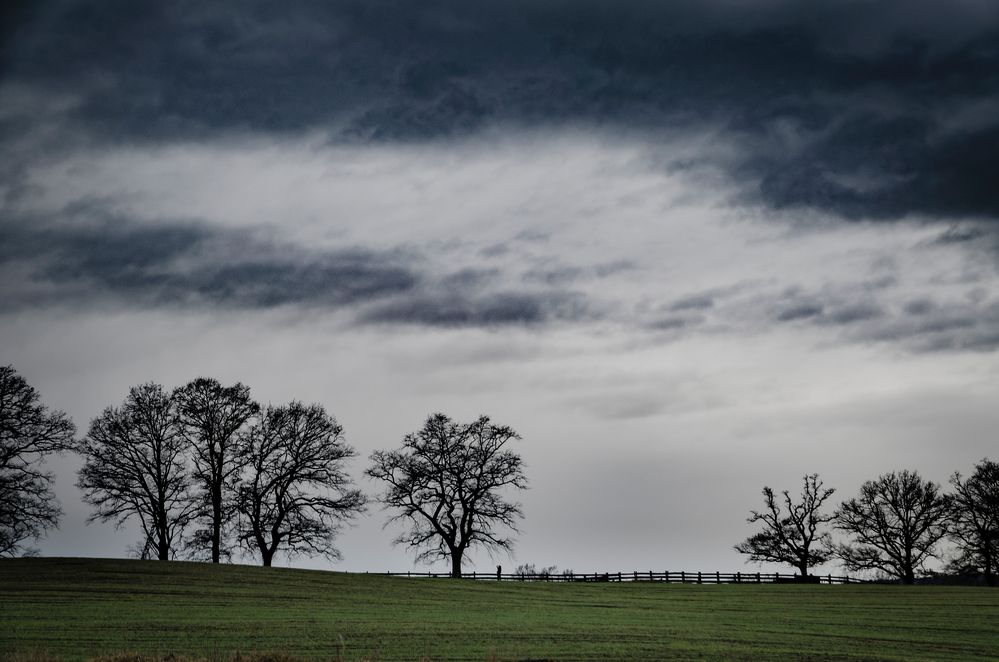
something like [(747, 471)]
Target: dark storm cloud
[(868, 110), (91, 257)]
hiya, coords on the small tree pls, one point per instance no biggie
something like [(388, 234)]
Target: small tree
[(446, 482), (29, 432), (896, 522), (296, 495), (210, 418), (791, 533), (975, 518), (135, 465)]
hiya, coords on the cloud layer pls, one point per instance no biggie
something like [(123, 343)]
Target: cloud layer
[(864, 110)]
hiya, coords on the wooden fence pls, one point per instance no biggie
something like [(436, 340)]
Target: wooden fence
[(669, 577)]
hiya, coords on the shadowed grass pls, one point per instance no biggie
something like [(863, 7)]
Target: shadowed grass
[(76, 609)]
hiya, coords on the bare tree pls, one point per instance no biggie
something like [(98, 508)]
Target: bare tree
[(446, 482), (896, 522), (975, 518), (135, 466), (210, 417), (296, 495), (28, 433), (791, 533)]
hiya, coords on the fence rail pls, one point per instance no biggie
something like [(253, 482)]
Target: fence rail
[(669, 577)]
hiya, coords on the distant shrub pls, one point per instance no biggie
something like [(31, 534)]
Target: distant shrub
[(530, 571)]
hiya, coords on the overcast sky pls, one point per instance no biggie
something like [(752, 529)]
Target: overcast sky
[(685, 249)]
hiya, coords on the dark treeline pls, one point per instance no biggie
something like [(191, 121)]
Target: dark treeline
[(207, 473), (894, 526)]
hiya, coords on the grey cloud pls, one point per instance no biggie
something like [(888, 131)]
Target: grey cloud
[(799, 311), (961, 234), (469, 279), (560, 274), (852, 313), (921, 306), (921, 324), (693, 302), (674, 323), (490, 310), (93, 257), (494, 250), (847, 107), (608, 269)]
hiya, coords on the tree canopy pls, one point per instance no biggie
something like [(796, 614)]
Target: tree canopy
[(29, 432), (975, 519), (792, 530), (447, 483), (296, 494), (896, 522), (210, 418), (135, 466)]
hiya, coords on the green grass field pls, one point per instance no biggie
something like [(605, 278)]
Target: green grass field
[(75, 609)]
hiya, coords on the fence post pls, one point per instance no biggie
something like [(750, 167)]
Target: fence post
[(667, 576), (698, 576), (757, 578), (830, 580), (738, 578), (683, 576), (619, 576)]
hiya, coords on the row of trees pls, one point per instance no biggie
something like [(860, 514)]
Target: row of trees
[(896, 524), (206, 471)]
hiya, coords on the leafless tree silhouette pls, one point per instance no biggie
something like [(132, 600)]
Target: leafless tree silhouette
[(296, 495), (975, 518), (446, 482), (135, 465), (791, 532), (29, 432), (896, 522), (211, 417)]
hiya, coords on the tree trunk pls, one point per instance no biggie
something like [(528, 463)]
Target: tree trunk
[(162, 549), (456, 563), (267, 556), (803, 570), (216, 524), (910, 576)]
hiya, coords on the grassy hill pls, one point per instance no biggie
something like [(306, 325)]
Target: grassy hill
[(75, 609)]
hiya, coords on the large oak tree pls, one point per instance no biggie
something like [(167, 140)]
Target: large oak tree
[(447, 482), (296, 494), (135, 466), (29, 432), (792, 530), (896, 522), (211, 418), (975, 518)]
